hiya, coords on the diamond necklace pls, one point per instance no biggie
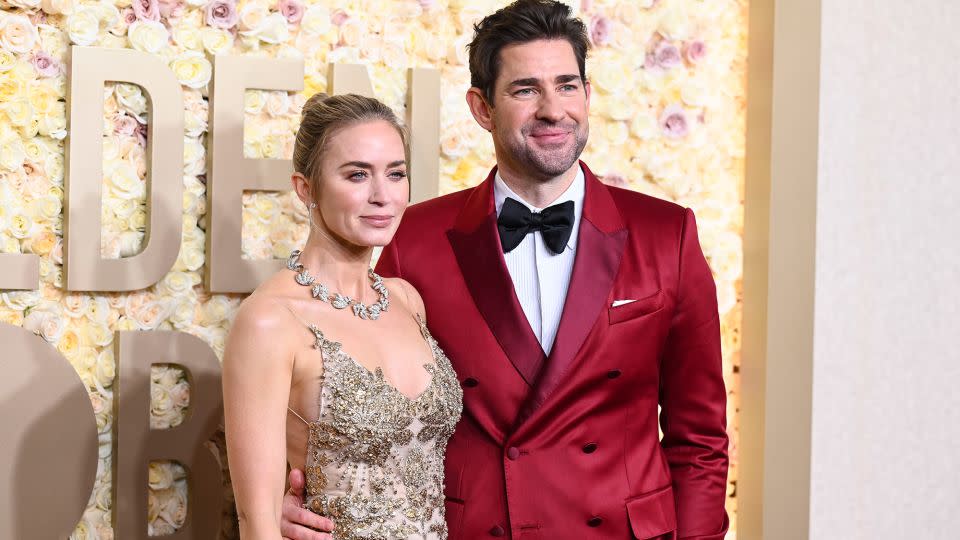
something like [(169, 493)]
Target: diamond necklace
[(339, 301)]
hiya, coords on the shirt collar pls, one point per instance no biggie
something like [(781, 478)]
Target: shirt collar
[(575, 192)]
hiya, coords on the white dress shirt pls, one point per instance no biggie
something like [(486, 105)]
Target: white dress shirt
[(541, 277)]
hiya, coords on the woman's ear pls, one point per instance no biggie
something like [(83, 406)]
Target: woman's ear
[(302, 186)]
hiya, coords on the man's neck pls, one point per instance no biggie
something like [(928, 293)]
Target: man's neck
[(537, 192)]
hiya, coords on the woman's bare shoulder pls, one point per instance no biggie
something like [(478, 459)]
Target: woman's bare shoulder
[(408, 295)]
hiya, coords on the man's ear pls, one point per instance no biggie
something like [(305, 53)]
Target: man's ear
[(482, 111), (587, 88)]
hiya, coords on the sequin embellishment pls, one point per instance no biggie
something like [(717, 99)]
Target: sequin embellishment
[(375, 456)]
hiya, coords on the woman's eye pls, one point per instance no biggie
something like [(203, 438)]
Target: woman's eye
[(398, 175), (357, 175)]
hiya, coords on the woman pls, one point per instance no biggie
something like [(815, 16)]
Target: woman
[(330, 368)]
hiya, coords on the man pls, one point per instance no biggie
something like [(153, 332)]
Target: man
[(570, 311)]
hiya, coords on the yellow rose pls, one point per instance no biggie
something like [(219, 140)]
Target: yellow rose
[(17, 34), (7, 60), (148, 36), (43, 243), (11, 317), (20, 225), (216, 40), (192, 69), (10, 88), (56, 7), (69, 344), (18, 111), (83, 26)]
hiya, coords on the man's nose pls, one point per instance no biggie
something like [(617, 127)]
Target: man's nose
[(551, 108)]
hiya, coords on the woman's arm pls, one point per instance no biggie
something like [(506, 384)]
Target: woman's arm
[(257, 372)]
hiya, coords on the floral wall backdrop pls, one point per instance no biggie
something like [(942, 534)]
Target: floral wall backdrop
[(667, 119)]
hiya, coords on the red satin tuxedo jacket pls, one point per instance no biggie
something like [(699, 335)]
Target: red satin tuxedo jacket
[(566, 446)]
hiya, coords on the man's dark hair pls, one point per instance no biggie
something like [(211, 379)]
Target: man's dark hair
[(522, 22)]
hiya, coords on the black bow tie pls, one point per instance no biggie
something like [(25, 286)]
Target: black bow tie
[(516, 221)]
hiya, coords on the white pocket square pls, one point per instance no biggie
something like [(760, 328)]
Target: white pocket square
[(621, 302)]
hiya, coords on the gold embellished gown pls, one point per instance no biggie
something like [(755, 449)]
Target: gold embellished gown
[(374, 456)]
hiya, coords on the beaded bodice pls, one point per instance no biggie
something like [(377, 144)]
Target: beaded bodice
[(375, 456)]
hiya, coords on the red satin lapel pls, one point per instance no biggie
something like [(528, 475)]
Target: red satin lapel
[(596, 265), (476, 246)]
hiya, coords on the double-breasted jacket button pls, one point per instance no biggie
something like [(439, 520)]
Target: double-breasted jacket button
[(613, 373), (497, 530), (595, 521), (513, 453), (470, 382), (589, 448)]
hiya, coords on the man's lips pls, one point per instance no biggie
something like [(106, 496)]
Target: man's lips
[(550, 135)]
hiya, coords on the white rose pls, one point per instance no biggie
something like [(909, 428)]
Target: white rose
[(183, 314), (12, 154), (215, 311), (121, 208), (159, 476), (645, 125), (20, 225), (106, 369), (131, 99), (272, 29), (123, 180), (191, 256), (254, 101), (130, 243), (47, 207), (98, 333), (54, 125), (352, 32), (137, 221), (148, 36), (188, 37), (83, 26), (316, 20), (75, 305), (194, 156), (20, 300), (56, 7), (17, 34), (192, 69), (53, 164), (252, 15), (48, 325), (216, 40), (278, 103)]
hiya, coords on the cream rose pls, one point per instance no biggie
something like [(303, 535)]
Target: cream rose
[(216, 40), (352, 32), (148, 36), (83, 25), (159, 476), (188, 37), (56, 7), (7, 60), (17, 34), (123, 181), (271, 29), (194, 156), (130, 243), (131, 99), (20, 225), (278, 103), (19, 111), (192, 69), (316, 20), (12, 154)]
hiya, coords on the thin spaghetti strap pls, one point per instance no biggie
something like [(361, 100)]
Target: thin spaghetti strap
[(298, 416), (292, 312)]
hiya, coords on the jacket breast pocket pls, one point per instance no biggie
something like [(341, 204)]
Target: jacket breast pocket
[(637, 308)]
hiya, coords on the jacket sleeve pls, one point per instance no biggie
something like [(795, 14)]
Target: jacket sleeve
[(693, 398)]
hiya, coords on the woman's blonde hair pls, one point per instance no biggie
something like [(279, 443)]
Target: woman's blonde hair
[(325, 115)]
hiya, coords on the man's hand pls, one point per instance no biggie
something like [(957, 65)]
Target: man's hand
[(296, 522)]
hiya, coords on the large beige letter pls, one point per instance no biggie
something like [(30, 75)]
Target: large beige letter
[(48, 459), (135, 445), (229, 173), (423, 120), (19, 271), (84, 269)]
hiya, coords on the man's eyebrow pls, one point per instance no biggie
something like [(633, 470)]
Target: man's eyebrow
[(529, 81), (566, 78)]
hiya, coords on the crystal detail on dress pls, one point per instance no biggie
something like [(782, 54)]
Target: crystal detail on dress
[(375, 455)]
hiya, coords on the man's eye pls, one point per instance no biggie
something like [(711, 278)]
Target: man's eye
[(569, 88), (524, 92)]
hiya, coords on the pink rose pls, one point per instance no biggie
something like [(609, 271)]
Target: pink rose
[(146, 10), (667, 55), (171, 9), (45, 65), (694, 51), (125, 125), (222, 14), (292, 10), (339, 17), (141, 132), (674, 123), (600, 30), (128, 16)]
